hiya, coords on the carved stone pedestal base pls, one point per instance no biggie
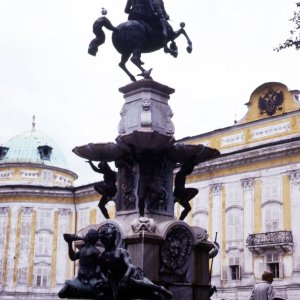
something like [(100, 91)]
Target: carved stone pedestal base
[(171, 254)]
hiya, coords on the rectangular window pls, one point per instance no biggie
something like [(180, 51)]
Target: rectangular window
[(44, 219), (47, 175), (274, 265), (274, 268), (271, 187), (42, 276), (43, 244), (233, 194), (271, 218), (235, 272), (234, 231)]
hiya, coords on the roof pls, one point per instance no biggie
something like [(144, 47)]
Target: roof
[(31, 147)]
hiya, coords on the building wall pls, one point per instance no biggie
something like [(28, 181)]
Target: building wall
[(33, 254), (252, 190)]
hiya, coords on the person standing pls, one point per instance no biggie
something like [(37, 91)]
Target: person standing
[(263, 290)]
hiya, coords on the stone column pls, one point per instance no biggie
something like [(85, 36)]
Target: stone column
[(216, 191), (248, 195), (295, 220)]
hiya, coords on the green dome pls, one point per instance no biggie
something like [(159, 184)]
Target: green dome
[(33, 147)]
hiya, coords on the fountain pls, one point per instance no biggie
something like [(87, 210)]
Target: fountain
[(144, 252)]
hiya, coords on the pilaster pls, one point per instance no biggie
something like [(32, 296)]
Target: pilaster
[(11, 250), (216, 194), (248, 204), (295, 219), (23, 250), (62, 269), (31, 255), (4, 224), (257, 206)]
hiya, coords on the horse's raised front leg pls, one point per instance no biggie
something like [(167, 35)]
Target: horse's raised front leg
[(122, 65), (182, 31)]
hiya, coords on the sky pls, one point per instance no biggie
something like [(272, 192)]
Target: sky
[(45, 69)]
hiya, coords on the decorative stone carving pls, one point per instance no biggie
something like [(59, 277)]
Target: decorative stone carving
[(26, 210), (176, 250), (127, 184), (4, 210), (216, 188), (64, 211), (200, 234), (143, 223), (146, 114), (295, 177), (247, 183)]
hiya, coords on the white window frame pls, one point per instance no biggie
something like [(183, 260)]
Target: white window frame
[(233, 194), (44, 244), (233, 262), (271, 188), (274, 258), (45, 219), (42, 276), (272, 217), (234, 226)]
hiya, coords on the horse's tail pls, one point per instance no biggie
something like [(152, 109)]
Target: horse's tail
[(100, 35)]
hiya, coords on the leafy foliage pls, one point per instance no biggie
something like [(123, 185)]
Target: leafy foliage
[(294, 39)]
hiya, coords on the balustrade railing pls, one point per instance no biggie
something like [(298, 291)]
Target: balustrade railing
[(266, 238)]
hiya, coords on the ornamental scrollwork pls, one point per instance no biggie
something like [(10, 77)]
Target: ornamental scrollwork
[(177, 247)]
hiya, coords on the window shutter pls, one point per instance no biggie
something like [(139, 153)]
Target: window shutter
[(275, 257), (239, 274), (269, 257), (280, 270)]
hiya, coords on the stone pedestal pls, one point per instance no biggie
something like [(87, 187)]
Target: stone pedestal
[(146, 116), (170, 253)]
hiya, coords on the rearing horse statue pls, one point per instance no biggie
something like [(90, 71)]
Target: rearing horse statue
[(134, 37)]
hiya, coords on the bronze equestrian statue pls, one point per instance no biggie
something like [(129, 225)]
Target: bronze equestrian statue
[(147, 30)]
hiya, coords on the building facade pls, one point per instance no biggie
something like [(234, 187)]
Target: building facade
[(38, 203), (250, 196)]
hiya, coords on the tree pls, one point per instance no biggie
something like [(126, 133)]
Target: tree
[(294, 39)]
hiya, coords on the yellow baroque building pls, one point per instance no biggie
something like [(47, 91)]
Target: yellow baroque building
[(38, 203), (250, 195)]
